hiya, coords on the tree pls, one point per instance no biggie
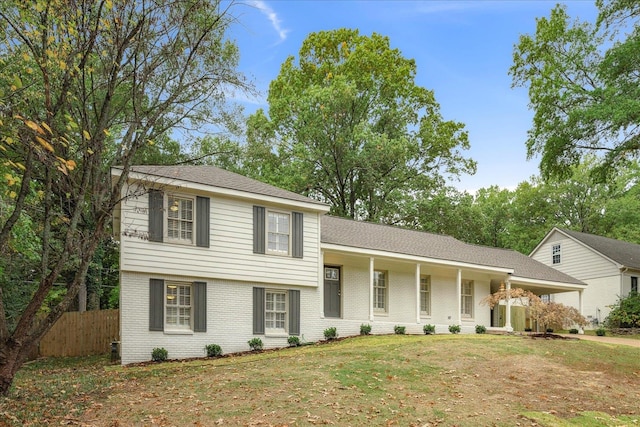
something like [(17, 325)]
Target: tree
[(83, 87), (583, 88), (350, 127), (625, 313)]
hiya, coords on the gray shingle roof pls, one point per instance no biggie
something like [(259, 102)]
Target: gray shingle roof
[(214, 176), (624, 253), (387, 238)]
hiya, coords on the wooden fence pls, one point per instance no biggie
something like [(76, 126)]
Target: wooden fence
[(82, 334)]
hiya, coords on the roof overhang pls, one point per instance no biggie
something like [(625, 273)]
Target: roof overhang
[(539, 286)]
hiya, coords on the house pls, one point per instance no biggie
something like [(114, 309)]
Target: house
[(208, 256), (609, 267)]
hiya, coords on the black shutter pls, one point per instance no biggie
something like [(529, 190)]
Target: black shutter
[(199, 307), (297, 240), (202, 222), (294, 312), (156, 215), (156, 305), (258, 311), (258, 230)]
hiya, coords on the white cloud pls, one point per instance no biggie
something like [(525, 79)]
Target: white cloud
[(273, 18)]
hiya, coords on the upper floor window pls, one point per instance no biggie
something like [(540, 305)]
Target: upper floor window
[(466, 298), (278, 232), (380, 290), (634, 284), (425, 295), (180, 218), (555, 254)]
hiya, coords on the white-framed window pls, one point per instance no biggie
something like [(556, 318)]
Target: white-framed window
[(275, 311), (555, 254), (466, 299), (180, 218), (278, 232), (178, 306), (380, 290), (425, 295), (634, 284)]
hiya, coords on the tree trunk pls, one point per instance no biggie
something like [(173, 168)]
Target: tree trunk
[(12, 356)]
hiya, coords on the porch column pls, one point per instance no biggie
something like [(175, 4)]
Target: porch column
[(321, 283), (507, 321), (581, 331), (459, 297), (417, 293), (371, 265)]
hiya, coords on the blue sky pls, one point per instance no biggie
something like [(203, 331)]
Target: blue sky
[(462, 49)]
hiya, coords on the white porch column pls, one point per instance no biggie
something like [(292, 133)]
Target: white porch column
[(371, 265), (417, 293), (321, 283), (507, 321), (581, 331), (459, 297)]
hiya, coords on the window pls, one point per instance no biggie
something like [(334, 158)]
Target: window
[(380, 290), (425, 295), (466, 299), (634, 284), (178, 306), (276, 311), (555, 254), (180, 219), (278, 233), (545, 298)]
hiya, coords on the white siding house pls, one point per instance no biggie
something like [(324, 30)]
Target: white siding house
[(609, 267), (211, 257)]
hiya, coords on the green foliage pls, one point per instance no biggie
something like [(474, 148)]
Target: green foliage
[(213, 350), (454, 329), (293, 341), (399, 330), (573, 331), (365, 329), (481, 329), (549, 330), (331, 333), (429, 329), (159, 354), (255, 344), (601, 332), (625, 313)]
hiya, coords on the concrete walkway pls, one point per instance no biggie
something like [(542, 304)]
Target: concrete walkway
[(610, 340)]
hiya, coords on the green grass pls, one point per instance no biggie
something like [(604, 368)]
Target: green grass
[(461, 380)]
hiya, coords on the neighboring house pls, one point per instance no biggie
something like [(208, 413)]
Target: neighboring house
[(208, 256), (609, 267)]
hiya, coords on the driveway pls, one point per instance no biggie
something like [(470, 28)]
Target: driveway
[(610, 340)]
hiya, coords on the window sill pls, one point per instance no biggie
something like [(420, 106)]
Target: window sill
[(278, 334), (381, 313), (178, 332)]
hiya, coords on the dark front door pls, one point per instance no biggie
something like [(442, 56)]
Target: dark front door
[(331, 291)]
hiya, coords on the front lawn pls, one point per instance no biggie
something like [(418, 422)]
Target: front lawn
[(462, 380)]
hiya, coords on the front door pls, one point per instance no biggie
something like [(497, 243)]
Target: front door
[(331, 291)]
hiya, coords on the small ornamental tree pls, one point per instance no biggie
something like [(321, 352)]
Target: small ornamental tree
[(625, 313)]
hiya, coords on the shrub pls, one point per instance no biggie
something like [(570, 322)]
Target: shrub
[(549, 330), (480, 329), (159, 354), (331, 333), (365, 329), (213, 350), (573, 331), (255, 344), (454, 329), (293, 341), (527, 329), (429, 329), (399, 330), (601, 332), (625, 313)]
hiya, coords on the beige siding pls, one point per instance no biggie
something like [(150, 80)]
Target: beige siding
[(230, 255)]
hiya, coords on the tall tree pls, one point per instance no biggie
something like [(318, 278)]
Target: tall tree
[(584, 88), (351, 127), (86, 86)]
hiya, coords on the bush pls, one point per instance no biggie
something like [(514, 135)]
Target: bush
[(454, 329), (213, 350), (480, 329), (601, 332), (331, 333), (527, 329), (293, 341), (573, 331), (549, 330), (365, 329), (399, 330), (625, 313), (429, 329), (255, 344), (159, 354)]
